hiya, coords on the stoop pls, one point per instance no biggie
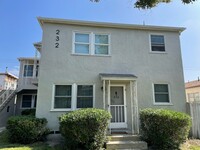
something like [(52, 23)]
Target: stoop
[(125, 142)]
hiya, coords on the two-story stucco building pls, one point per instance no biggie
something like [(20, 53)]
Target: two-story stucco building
[(121, 68)]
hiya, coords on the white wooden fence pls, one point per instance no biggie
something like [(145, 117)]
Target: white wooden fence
[(194, 111)]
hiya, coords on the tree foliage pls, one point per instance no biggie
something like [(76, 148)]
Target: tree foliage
[(147, 4)]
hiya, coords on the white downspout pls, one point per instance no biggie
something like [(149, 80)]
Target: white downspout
[(104, 95), (132, 107)]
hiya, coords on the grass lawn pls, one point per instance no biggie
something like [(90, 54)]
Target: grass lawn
[(5, 145), (192, 144)]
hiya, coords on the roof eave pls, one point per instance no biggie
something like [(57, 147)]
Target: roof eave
[(38, 46), (27, 58), (42, 20)]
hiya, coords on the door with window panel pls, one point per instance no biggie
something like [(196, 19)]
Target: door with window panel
[(118, 107)]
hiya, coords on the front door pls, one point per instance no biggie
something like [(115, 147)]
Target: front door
[(118, 107)]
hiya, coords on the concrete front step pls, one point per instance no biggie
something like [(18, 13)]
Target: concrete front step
[(124, 138), (128, 145)]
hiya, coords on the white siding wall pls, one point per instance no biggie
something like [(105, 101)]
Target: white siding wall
[(25, 82)]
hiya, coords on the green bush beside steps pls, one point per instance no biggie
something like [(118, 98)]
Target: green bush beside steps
[(26, 129), (164, 129), (85, 128)]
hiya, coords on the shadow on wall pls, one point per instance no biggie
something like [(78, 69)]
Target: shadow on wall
[(7, 112)]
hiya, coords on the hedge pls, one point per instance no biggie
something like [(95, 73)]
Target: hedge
[(164, 129), (28, 112), (84, 128), (26, 129)]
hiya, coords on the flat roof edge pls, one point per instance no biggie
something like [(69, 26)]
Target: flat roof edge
[(27, 58), (43, 20)]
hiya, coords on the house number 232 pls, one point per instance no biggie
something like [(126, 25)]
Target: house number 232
[(57, 38)]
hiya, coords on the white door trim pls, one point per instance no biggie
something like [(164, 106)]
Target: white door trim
[(124, 124)]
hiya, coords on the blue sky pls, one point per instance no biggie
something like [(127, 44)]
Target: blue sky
[(19, 28)]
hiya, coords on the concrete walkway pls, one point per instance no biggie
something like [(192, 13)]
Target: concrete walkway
[(54, 139)]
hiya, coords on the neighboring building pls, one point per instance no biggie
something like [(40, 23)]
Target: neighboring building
[(8, 85), (27, 84), (192, 90), (8, 81), (121, 68)]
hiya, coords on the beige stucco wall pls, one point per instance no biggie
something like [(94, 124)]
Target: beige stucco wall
[(2, 83), (7, 82), (192, 90), (130, 53)]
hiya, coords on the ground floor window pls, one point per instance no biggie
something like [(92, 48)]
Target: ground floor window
[(161, 93), (63, 95), (84, 96), (73, 96), (29, 101)]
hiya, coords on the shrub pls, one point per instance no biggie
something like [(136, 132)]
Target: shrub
[(26, 129), (85, 128), (28, 112), (164, 129)]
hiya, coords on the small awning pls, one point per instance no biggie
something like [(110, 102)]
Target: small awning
[(111, 76)]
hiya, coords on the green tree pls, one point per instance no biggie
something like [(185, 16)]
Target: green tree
[(147, 4)]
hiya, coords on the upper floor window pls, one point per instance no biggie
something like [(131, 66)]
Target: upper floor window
[(157, 43), (101, 44), (91, 44), (82, 43), (161, 93), (28, 70)]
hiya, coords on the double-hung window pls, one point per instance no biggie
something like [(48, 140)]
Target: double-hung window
[(161, 93), (84, 96), (63, 96), (157, 43), (29, 101), (73, 96), (91, 44), (28, 70), (101, 44), (82, 43)]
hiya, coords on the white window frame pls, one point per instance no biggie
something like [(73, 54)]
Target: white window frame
[(24, 70), (53, 99), (74, 42), (91, 43), (109, 43), (32, 101), (73, 99), (169, 94), (150, 48), (93, 85)]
